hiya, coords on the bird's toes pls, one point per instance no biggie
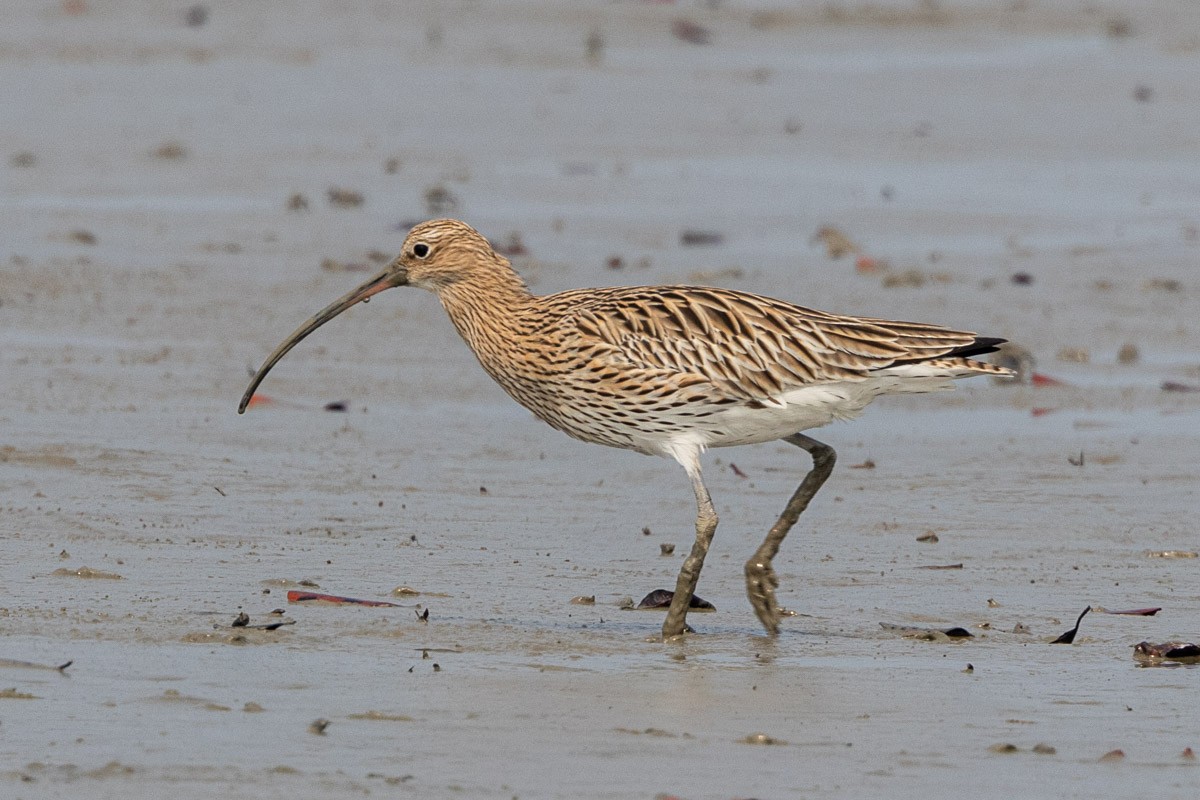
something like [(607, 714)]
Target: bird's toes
[(761, 583)]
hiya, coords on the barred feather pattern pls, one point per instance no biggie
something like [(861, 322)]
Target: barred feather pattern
[(655, 368)]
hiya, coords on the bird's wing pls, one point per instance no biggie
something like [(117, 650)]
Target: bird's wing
[(748, 347)]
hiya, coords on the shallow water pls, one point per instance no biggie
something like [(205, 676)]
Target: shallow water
[(1010, 141)]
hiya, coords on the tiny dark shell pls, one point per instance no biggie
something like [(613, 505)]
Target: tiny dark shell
[(661, 598), (1174, 651)]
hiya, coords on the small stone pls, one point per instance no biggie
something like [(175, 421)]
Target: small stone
[(344, 198), (318, 726), (1162, 285), (594, 47), (1074, 355), (196, 16), (762, 738), (1004, 747), (1128, 354), (689, 31), (1043, 749), (440, 201), (170, 151), (1118, 27), (666, 548)]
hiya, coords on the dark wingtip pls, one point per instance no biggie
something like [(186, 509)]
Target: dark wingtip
[(981, 346)]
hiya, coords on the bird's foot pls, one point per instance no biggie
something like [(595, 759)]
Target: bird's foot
[(676, 622), (761, 583), (677, 636)]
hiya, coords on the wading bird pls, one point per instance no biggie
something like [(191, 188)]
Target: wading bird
[(671, 370)]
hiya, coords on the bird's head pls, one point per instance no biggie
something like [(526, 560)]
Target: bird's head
[(442, 252)]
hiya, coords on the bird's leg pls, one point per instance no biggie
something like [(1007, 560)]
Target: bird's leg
[(689, 573), (760, 576)]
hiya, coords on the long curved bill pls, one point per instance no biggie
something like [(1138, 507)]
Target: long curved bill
[(387, 280)]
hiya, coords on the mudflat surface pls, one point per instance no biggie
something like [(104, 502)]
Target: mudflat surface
[(168, 220)]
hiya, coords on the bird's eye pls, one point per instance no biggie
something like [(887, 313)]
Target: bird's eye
[(420, 250)]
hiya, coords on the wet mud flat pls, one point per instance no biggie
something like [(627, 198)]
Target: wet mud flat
[(1025, 173)]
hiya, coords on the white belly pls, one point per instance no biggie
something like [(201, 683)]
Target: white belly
[(792, 412)]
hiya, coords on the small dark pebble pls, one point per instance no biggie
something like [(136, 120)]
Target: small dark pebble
[(661, 598), (1118, 27), (337, 405), (440, 201), (691, 238), (513, 246), (171, 151), (196, 16), (1022, 279), (345, 198), (1175, 386), (690, 31)]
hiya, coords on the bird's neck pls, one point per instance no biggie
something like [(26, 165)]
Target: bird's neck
[(488, 306)]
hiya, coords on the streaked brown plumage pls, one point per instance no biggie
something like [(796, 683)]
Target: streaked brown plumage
[(671, 370)]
